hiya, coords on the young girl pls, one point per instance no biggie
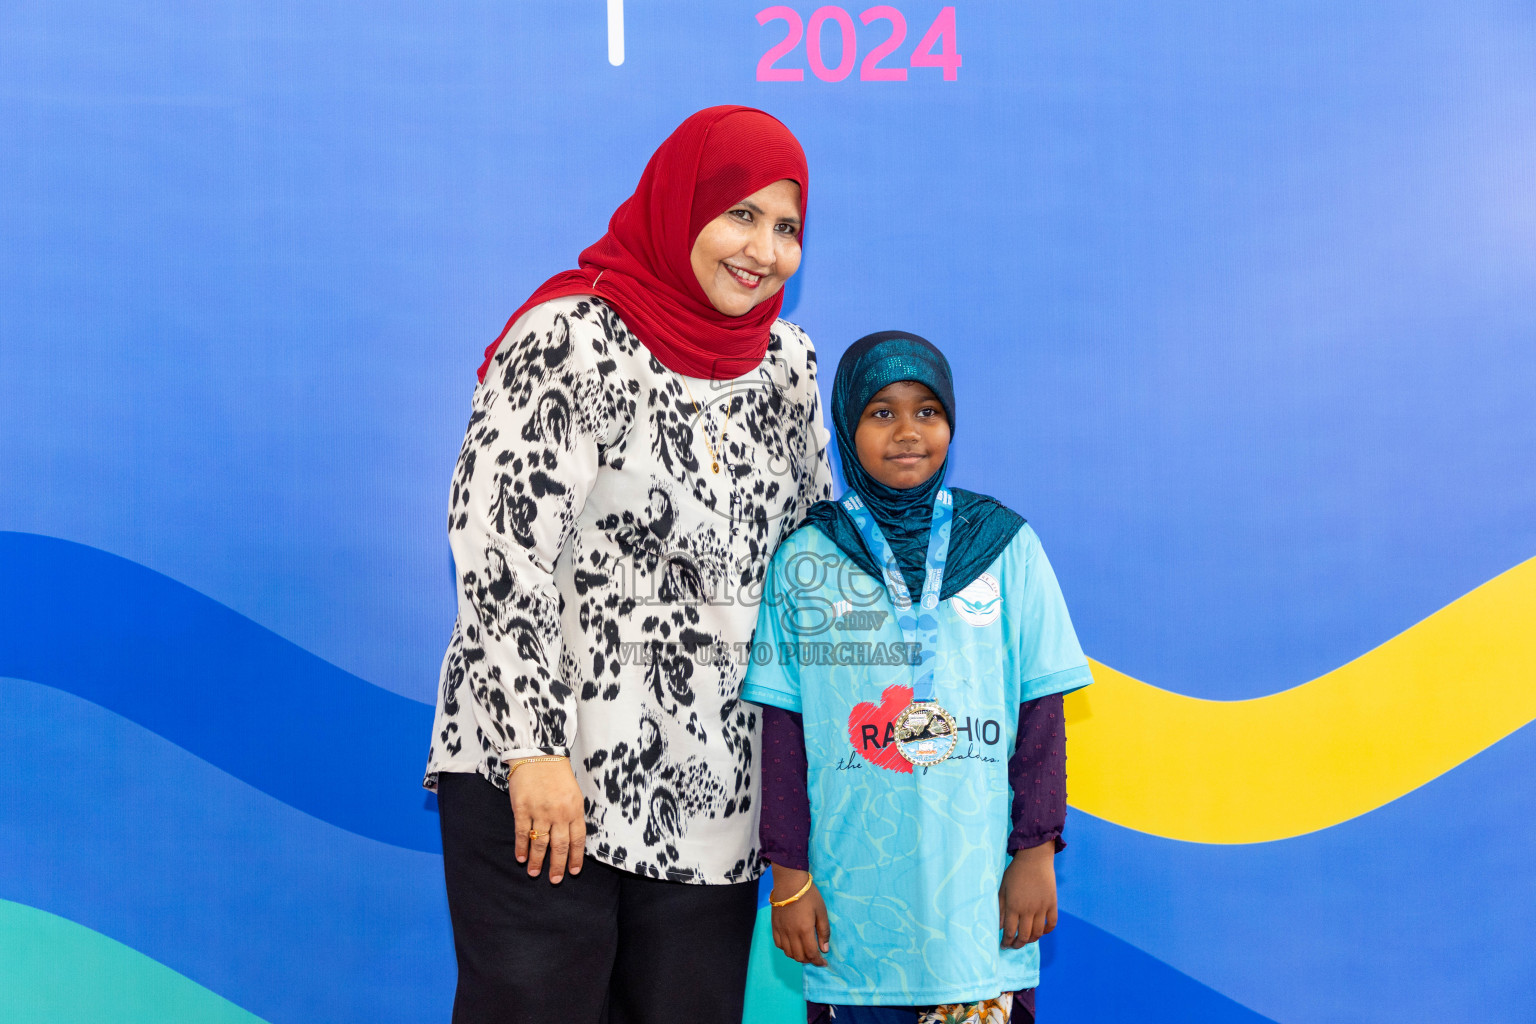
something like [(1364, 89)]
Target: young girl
[(911, 651)]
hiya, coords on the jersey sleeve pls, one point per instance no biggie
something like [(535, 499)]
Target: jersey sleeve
[(773, 675), (1047, 656)]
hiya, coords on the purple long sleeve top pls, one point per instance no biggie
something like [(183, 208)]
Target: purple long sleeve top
[(1037, 773)]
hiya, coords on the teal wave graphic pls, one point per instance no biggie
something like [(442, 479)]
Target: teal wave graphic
[(57, 971)]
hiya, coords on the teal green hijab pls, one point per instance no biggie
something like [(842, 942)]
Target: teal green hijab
[(982, 525)]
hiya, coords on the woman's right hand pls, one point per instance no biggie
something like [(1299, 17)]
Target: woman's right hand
[(546, 800), (800, 929)]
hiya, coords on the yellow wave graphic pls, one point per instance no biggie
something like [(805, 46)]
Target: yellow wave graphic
[(1250, 771)]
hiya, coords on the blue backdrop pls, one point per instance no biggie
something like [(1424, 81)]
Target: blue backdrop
[(1239, 301)]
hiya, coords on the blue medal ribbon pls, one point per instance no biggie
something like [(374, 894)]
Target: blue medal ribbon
[(919, 623)]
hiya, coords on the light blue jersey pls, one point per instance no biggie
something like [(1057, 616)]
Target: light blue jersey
[(910, 860)]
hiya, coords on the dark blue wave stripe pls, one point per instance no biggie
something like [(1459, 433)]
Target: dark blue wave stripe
[(215, 683), (1089, 976)]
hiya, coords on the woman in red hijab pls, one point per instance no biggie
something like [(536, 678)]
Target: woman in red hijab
[(645, 431)]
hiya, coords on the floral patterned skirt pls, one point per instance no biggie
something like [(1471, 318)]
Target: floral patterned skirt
[(989, 1011), (1008, 1008)]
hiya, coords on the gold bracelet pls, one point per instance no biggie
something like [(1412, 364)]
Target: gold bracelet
[(515, 765), (809, 881)]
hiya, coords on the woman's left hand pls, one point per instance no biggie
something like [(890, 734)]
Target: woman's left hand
[(1027, 899), (547, 807)]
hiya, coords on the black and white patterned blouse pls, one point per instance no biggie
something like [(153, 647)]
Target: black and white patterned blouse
[(609, 579)]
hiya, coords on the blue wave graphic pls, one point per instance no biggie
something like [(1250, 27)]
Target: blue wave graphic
[(105, 822), (217, 684), (114, 828), (293, 919), (1406, 913)]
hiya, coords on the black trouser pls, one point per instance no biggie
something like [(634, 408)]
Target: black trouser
[(602, 946)]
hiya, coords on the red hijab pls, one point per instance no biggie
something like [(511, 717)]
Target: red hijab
[(713, 160)]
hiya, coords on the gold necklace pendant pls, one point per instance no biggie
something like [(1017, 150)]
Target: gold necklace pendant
[(714, 456)]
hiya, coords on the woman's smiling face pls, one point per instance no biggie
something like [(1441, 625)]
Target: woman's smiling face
[(745, 255), (903, 435)]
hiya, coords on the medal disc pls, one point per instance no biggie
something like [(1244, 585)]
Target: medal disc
[(925, 733)]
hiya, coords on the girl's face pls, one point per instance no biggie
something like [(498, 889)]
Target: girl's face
[(903, 435), (747, 253)]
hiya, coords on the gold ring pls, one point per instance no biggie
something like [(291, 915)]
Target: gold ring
[(532, 834)]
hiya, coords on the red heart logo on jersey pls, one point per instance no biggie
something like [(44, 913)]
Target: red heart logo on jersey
[(870, 728)]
